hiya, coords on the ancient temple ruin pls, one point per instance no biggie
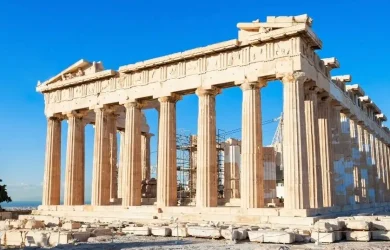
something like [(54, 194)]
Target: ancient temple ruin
[(335, 147)]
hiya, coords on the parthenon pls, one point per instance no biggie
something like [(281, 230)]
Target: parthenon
[(335, 145)]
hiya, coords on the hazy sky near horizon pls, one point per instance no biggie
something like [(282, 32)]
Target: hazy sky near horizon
[(38, 39)]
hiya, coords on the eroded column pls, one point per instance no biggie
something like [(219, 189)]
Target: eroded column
[(363, 163), (167, 169), (101, 161), (131, 179), (112, 130), (52, 176), (74, 173), (296, 178), (121, 161), (252, 167), (376, 178), (355, 160), (145, 155), (313, 147), (371, 172), (326, 150), (207, 175), (346, 147)]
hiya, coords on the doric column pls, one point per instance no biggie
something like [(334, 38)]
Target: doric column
[(101, 160), (167, 168), (326, 150), (346, 146), (52, 176), (145, 155), (355, 159), (252, 167), (74, 173), (313, 147), (376, 178), (371, 172), (363, 163), (296, 178), (339, 176), (385, 163), (131, 179), (112, 137), (232, 159), (207, 174), (121, 161)]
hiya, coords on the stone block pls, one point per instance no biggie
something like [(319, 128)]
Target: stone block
[(4, 225), (34, 224), (234, 234), (13, 237), (81, 236), (380, 235), (205, 232), (358, 236), (179, 231), (161, 231), (381, 225), (338, 235), (268, 236), (137, 230), (71, 225), (37, 238), (358, 225), (324, 237), (17, 224), (59, 238), (101, 232)]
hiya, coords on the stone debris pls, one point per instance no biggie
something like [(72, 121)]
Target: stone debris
[(234, 234), (101, 232), (137, 230), (358, 236), (358, 225), (324, 237), (34, 224), (380, 235), (71, 225), (204, 232), (161, 231), (179, 231), (270, 236)]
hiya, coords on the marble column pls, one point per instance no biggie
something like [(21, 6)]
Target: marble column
[(207, 175), (379, 169), (121, 161), (74, 173), (296, 179), (252, 167), (371, 173), (52, 176), (313, 147), (346, 146), (132, 172), (385, 162), (167, 167), (376, 178), (326, 150), (363, 163), (113, 154), (145, 155), (101, 160), (232, 162), (355, 160), (339, 164)]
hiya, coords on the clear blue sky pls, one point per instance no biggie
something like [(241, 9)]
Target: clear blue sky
[(38, 39)]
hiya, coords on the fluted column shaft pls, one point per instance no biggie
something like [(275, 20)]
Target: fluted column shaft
[(376, 178), (296, 178), (131, 180), (339, 164), (371, 172), (74, 173), (145, 155), (52, 176), (252, 167), (112, 130), (363, 163), (326, 150), (121, 161), (346, 147), (167, 168), (356, 161), (385, 163), (207, 175), (313, 147), (380, 171), (101, 160)]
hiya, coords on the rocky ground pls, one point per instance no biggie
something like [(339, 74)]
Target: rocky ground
[(150, 242)]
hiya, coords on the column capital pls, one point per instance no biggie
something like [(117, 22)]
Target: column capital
[(56, 117), (76, 113), (248, 85), (291, 77), (135, 104), (171, 98), (147, 134), (213, 91), (324, 97)]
